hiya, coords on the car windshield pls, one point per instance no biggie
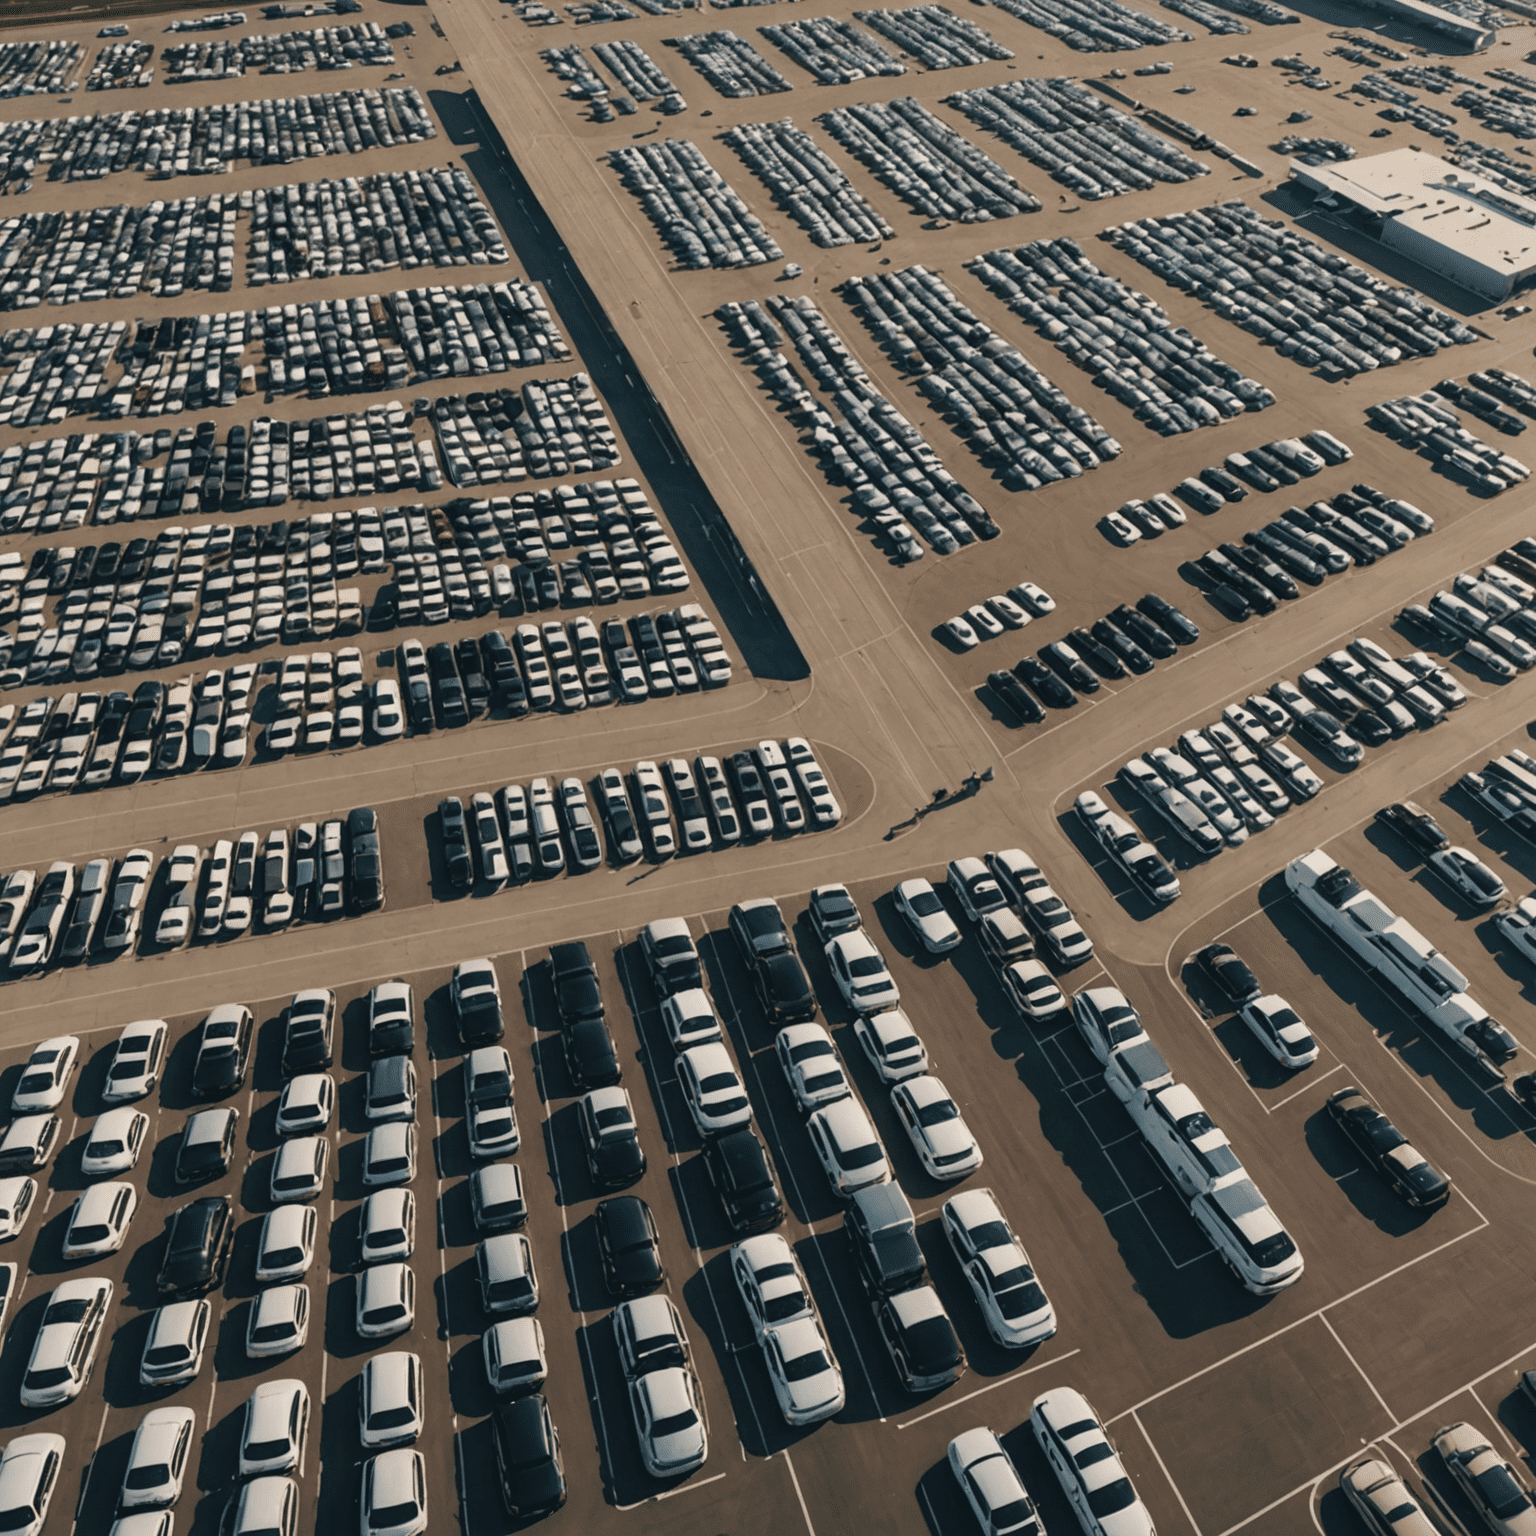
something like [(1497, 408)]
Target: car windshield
[(166, 1354), (1017, 1293), (926, 903), (93, 1232), (387, 1517), (859, 1157), (66, 1312), (384, 1314), (1112, 1497), (270, 1333), (990, 1234), (777, 1308), (803, 1367), (280, 1258), (267, 1450), (938, 1112), (610, 1119), (718, 1082), (104, 1148), (823, 1080), (675, 1423)]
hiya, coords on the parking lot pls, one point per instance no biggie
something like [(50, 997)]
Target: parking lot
[(1001, 441)]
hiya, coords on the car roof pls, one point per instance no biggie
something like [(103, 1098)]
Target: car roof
[(923, 1090), (650, 1316), (380, 1282), (394, 1477), (389, 1373), (972, 1207), (668, 927), (506, 1254), (667, 1390), (207, 1125), (845, 1121), (916, 1306), (392, 1138), (612, 1097), (281, 1217), (764, 1249), (498, 1179)]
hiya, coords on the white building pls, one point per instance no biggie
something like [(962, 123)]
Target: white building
[(1454, 222)]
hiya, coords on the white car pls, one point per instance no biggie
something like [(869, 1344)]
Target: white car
[(386, 1300), (1106, 1020), (861, 974), (847, 1146), (1465, 873), (936, 1128), (508, 1280), (391, 1400), (286, 1246), (173, 1348), (157, 1459), (1013, 1303), (388, 1226), (891, 1044), (983, 621), (1518, 925), (811, 1065), (298, 1170), (387, 721), (46, 1075), (958, 629), (67, 1340), (1382, 1500), (17, 1197), (306, 1105), (115, 1142), (669, 1419), (278, 1322), (689, 1018), (389, 1154), (29, 1476), (99, 1222), (1278, 1028), (513, 1352), (712, 1089), (1032, 990), (1035, 598), (491, 1119), (992, 1485), (974, 886), (1086, 1465), (804, 1371), (772, 1284), (275, 1430), (919, 903), (394, 1494)]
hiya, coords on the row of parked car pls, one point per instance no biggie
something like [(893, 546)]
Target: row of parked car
[(120, 65), (730, 63), (806, 183), (935, 36), (39, 68), (1428, 425), (1234, 776), (1084, 142), (1167, 376), (1282, 462), (205, 140), (1488, 614), (1022, 604), (1012, 416), (549, 828), (936, 171), (695, 210), (1125, 640), (833, 50), (320, 870), (896, 479), (279, 53), (1308, 302), (1095, 26)]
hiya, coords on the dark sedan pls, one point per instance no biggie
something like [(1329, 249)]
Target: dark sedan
[(1016, 696), (784, 989), (1415, 825), (629, 1246), (461, 869), (590, 1054), (1223, 968), (197, 1246), (1410, 1174), (1031, 670), (528, 1463), (738, 1167)]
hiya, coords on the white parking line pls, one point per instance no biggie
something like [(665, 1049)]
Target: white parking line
[(1359, 1369), (798, 1494), (991, 1386), (1158, 1456), (671, 1493)]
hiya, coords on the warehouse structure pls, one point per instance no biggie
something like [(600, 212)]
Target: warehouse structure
[(1465, 227)]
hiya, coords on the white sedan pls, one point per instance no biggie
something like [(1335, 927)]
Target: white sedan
[(891, 1044), (115, 1142), (669, 1421), (1013, 1304), (804, 1371), (772, 1284), (1518, 925), (959, 631), (919, 903), (935, 1127), (992, 1485), (1279, 1029), (46, 1075), (811, 1065), (1032, 990), (861, 974), (1468, 875)]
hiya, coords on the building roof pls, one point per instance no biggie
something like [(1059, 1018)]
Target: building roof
[(1437, 201)]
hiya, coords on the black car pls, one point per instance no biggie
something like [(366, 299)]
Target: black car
[(203, 1159), (447, 688), (309, 1043), (477, 1003), (367, 882), (1249, 558), (1272, 465), (390, 1089), (1174, 621), (135, 557), (1369, 729), (1326, 734), (748, 784), (223, 1052), (108, 558), (502, 670), (1412, 1176), (528, 1464), (1226, 486), (1226, 972), (477, 688), (738, 1167), (1140, 628), (197, 1246), (833, 911), (1417, 616), (1413, 823), (759, 930), (1128, 650), (590, 1054), (383, 610), (1031, 670), (391, 1019), (1016, 696), (146, 712), (882, 1232), (578, 996), (784, 989), (920, 1339), (461, 868), (1097, 655), (1229, 602), (629, 1246), (612, 1141)]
